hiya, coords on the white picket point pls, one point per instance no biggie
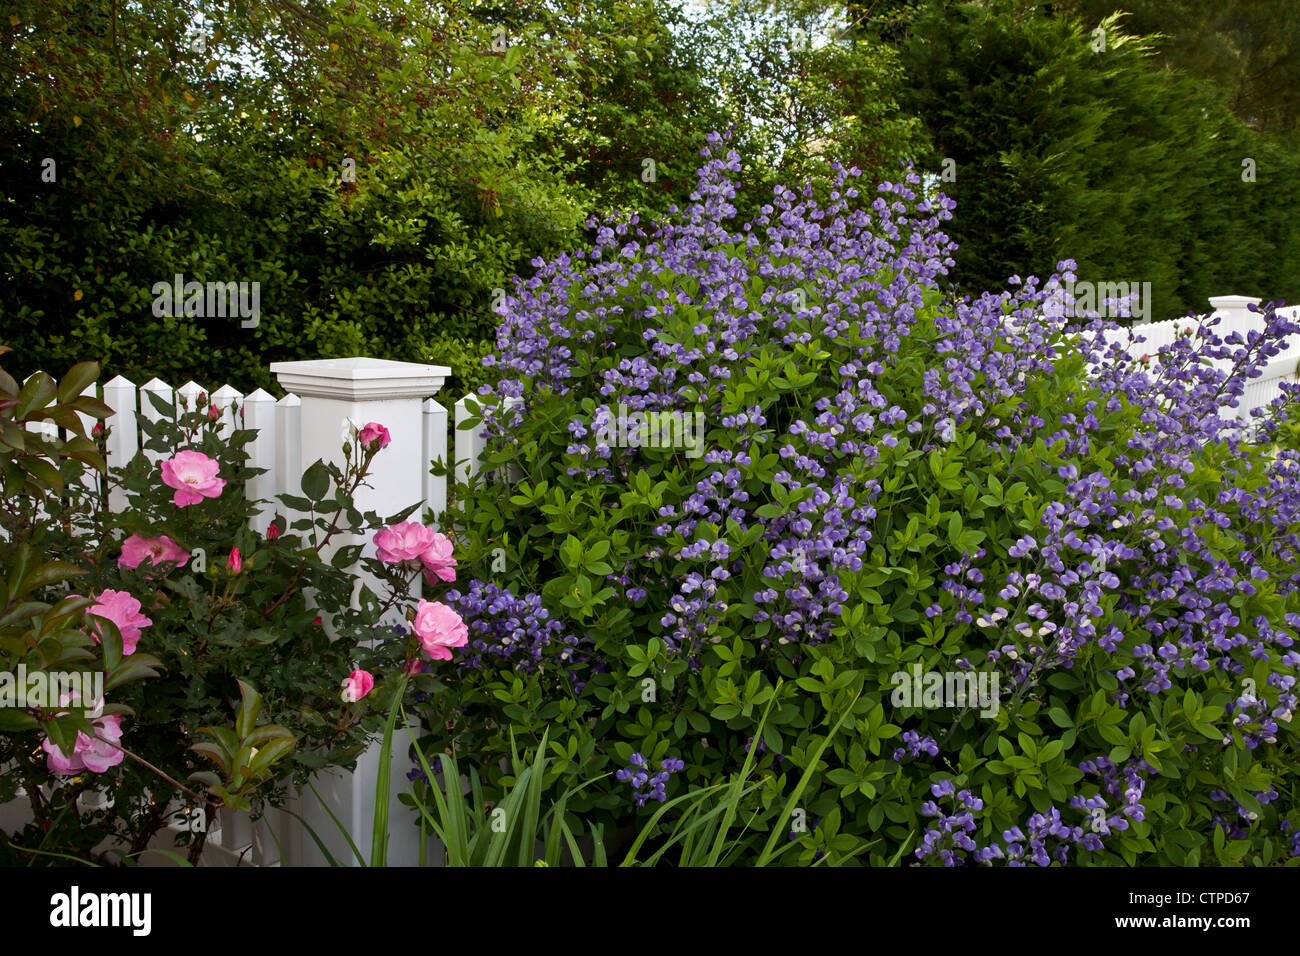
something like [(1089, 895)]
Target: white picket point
[(190, 397), (151, 414), (435, 449), (227, 401), (259, 414)]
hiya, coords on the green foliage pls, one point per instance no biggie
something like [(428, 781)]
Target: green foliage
[(1246, 48), (1063, 150), (525, 828), (222, 173), (585, 544)]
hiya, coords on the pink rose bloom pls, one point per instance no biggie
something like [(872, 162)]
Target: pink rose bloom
[(234, 563), (272, 531), (372, 431), (437, 559), (403, 542), (439, 629), (88, 753), (124, 611), (357, 685), (154, 550), (193, 475)]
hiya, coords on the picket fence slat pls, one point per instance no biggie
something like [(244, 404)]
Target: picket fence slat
[(469, 444), (260, 415), (151, 414), (435, 450), (288, 456), (189, 396), (227, 400)]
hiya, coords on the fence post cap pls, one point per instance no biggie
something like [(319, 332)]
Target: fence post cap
[(1223, 303), (360, 379)]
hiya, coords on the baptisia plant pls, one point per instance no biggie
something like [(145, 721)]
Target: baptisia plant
[(260, 670), (901, 497)]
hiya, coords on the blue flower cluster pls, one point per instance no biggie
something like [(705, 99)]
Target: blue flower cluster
[(647, 786), (1133, 782), (517, 630), (914, 745), (417, 772), (950, 837)]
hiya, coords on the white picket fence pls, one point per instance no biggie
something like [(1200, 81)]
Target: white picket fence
[(1235, 316), (278, 424), (307, 425), (304, 426)]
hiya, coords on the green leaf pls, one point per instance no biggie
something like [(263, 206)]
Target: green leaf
[(316, 482), (49, 573), (12, 721), (1060, 717), (76, 380), (250, 705)]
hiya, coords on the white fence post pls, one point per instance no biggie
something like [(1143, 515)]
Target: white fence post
[(362, 390)]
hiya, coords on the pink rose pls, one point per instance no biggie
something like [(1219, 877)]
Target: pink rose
[(439, 629), (403, 542), (154, 550), (272, 531), (193, 475), (234, 563), (414, 667), (372, 431), (124, 611), (437, 559), (95, 754), (213, 414), (357, 685)]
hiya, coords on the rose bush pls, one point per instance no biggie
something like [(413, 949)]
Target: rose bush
[(893, 486), (207, 617)]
